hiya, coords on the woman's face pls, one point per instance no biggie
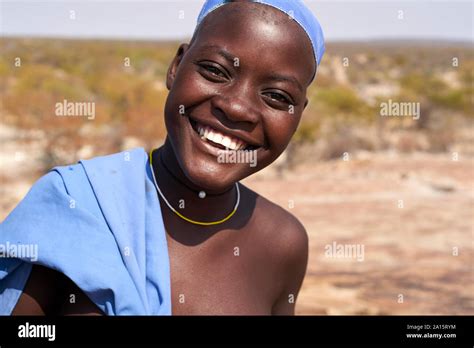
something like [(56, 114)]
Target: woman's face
[(243, 80)]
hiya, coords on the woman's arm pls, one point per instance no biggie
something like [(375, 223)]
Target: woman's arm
[(48, 292), (296, 260), (40, 294)]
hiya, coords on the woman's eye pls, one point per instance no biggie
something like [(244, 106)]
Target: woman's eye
[(278, 97), (213, 71)]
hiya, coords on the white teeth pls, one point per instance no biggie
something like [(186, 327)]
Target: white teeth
[(212, 136), (219, 138), (226, 141)]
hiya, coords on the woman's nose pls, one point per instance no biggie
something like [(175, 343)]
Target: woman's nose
[(236, 106)]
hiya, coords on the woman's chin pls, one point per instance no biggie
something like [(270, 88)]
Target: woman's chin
[(212, 178)]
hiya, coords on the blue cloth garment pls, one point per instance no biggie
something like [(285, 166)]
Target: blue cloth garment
[(296, 9), (98, 222)]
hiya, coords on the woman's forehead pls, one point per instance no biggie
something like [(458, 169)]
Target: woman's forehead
[(246, 12), (257, 34), (294, 9)]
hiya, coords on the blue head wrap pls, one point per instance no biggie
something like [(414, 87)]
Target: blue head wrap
[(296, 9)]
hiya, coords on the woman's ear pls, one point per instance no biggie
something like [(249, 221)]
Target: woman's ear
[(305, 103), (173, 68)]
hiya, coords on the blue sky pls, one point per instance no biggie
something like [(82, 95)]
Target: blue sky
[(158, 19)]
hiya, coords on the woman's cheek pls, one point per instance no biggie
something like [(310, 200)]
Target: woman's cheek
[(282, 131), (204, 87), (194, 88)]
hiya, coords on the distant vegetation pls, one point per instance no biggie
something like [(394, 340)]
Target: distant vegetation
[(352, 81)]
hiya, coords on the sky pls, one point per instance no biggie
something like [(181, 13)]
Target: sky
[(176, 19)]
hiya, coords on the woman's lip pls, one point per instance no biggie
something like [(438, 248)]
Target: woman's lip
[(205, 146), (231, 134), (202, 144)]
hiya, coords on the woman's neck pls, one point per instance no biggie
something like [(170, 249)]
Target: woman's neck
[(183, 194)]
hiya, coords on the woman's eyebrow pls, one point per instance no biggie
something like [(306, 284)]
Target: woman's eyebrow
[(222, 52), (284, 78), (274, 76)]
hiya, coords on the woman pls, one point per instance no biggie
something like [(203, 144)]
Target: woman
[(174, 232)]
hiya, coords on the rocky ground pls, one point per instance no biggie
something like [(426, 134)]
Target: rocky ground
[(413, 215)]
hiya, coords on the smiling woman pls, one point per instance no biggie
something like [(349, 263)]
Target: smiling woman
[(175, 232)]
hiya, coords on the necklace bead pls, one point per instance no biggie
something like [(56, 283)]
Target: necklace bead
[(204, 194)]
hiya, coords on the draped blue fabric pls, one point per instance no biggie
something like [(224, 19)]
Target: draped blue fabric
[(98, 222)]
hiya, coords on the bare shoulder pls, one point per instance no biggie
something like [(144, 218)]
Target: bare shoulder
[(280, 229), (282, 239)]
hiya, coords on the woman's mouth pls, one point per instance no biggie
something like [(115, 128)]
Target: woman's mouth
[(218, 139)]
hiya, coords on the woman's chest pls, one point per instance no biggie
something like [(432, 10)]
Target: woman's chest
[(219, 277)]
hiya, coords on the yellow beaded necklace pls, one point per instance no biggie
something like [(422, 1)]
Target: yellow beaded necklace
[(184, 217)]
